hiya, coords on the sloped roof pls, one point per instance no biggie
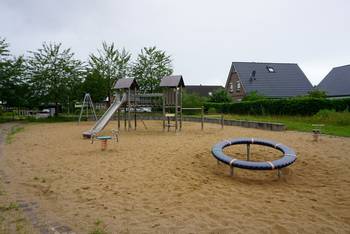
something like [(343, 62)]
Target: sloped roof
[(337, 82), (286, 80), (202, 90), (172, 81), (126, 83)]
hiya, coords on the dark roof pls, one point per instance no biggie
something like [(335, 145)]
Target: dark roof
[(285, 80), (126, 83), (337, 82), (172, 81), (202, 90)]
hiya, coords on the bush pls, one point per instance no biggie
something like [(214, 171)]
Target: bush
[(212, 110), (317, 94), (191, 100), (220, 96), (254, 96), (293, 106)]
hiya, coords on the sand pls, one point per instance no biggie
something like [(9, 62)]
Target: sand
[(166, 182)]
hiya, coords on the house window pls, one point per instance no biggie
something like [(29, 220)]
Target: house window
[(238, 86), (270, 69), (231, 87)]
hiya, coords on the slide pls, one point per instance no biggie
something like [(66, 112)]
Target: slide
[(105, 118)]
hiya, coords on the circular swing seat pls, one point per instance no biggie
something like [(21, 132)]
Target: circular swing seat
[(288, 157)]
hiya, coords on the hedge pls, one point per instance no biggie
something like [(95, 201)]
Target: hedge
[(293, 106)]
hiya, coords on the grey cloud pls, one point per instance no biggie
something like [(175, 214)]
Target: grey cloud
[(203, 37)]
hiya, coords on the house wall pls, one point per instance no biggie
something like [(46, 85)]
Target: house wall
[(236, 94)]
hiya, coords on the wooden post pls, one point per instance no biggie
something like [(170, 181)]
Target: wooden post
[(135, 120), (222, 121), (125, 117), (129, 109), (202, 122), (169, 124), (248, 152), (118, 119), (176, 107), (164, 110), (180, 107)]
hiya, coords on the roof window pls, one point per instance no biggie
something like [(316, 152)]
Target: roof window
[(270, 69)]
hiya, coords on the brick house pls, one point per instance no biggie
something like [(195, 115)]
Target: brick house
[(273, 80)]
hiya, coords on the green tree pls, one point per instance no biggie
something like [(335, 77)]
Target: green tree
[(316, 93), (95, 85), (4, 66), (111, 64), (151, 65), (4, 49), (220, 96), (55, 74), (13, 86), (254, 96)]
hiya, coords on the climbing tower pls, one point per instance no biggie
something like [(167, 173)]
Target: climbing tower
[(172, 101)]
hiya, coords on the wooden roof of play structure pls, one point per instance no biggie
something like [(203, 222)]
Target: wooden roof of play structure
[(127, 83), (172, 81)]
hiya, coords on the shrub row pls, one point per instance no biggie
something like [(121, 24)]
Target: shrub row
[(293, 106)]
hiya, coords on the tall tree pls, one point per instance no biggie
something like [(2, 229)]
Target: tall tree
[(111, 64), (95, 85), (151, 65), (4, 65), (4, 49), (54, 74), (13, 85)]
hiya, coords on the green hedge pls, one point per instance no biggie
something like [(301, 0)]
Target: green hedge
[(293, 106)]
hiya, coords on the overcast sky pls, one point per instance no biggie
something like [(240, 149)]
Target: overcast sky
[(203, 37)]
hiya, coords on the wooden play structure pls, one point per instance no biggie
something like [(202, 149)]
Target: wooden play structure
[(128, 87), (170, 101)]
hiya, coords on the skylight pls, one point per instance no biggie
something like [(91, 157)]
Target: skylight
[(270, 69)]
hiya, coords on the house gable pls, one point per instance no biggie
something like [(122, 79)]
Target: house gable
[(275, 80), (337, 82), (234, 86)]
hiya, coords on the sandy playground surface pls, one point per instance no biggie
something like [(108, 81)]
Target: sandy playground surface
[(166, 182)]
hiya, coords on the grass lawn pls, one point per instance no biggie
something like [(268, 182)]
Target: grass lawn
[(298, 123), (335, 123)]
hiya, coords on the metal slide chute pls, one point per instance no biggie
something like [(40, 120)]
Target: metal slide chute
[(106, 117)]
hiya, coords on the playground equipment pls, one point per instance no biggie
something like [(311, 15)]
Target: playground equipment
[(87, 103), (170, 101), (103, 121), (104, 139), (316, 131), (288, 157), (127, 87)]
